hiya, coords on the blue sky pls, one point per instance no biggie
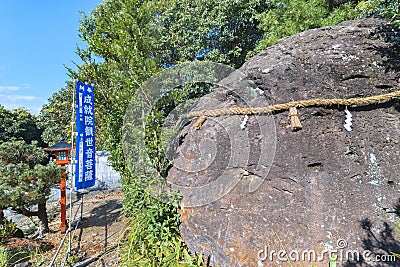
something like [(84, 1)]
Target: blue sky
[(37, 38)]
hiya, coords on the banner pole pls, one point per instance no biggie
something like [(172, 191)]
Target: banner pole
[(73, 151)]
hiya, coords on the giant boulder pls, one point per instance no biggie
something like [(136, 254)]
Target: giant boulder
[(321, 189)]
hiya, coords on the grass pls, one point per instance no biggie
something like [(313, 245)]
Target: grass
[(12, 257), (3, 257)]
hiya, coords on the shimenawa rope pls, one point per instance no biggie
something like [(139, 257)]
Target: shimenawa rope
[(356, 101)]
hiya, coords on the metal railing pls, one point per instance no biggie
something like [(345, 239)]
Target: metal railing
[(70, 233)]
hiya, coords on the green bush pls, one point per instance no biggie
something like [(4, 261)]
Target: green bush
[(7, 229), (153, 233)]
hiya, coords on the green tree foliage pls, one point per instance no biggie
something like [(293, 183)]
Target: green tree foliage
[(120, 56), (221, 31), (25, 180), (129, 40), (121, 38), (288, 17), (387, 9), (55, 117), (20, 124)]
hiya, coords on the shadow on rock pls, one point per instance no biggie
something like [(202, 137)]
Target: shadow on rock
[(381, 245)]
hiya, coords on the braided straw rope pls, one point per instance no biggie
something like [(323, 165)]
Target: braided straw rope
[(362, 101)]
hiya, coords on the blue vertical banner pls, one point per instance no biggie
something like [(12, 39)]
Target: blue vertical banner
[(85, 168)]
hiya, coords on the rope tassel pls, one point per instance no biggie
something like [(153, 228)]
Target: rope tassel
[(294, 119)]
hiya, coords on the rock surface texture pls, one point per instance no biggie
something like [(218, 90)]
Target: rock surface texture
[(300, 195)]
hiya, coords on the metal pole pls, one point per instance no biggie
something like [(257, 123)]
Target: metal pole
[(72, 164), (58, 251), (81, 217)]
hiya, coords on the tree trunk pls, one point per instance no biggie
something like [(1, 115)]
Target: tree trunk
[(44, 221), (1, 217)]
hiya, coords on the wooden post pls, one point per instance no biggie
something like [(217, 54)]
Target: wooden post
[(63, 202)]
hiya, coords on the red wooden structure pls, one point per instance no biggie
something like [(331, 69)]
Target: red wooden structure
[(62, 154)]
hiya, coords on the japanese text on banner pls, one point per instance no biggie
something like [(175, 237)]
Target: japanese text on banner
[(85, 141)]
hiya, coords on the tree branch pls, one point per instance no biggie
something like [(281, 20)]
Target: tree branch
[(25, 212)]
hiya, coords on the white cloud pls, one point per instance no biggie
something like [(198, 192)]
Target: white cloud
[(34, 108), (26, 85), (14, 98), (9, 88), (32, 103)]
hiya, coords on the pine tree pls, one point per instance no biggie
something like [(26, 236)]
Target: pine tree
[(25, 175)]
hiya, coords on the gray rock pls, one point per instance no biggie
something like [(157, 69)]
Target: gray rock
[(320, 189), (22, 264)]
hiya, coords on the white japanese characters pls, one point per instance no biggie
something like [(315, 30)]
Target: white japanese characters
[(85, 176)]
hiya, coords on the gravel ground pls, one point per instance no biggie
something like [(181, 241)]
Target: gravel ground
[(99, 232)]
